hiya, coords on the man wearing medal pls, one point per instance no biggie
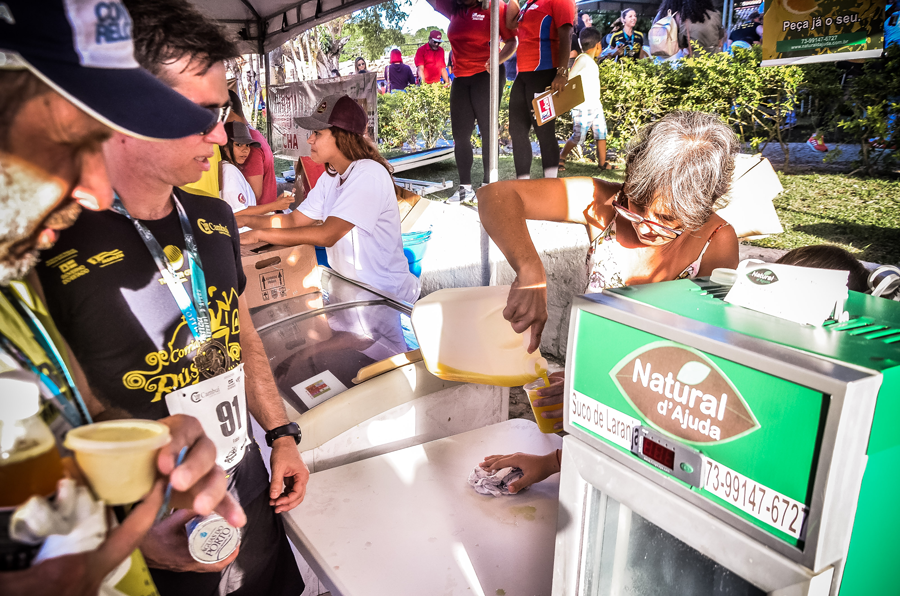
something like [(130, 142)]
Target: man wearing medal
[(57, 94), (148, 296)]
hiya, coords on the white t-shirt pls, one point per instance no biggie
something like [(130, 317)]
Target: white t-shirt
[(236, 191), (372, 252), (590, 80)]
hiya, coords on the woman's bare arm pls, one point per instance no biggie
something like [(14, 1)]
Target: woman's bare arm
[(504, 208), (508, 49), (512, 15), (326, 235), (294, 219)]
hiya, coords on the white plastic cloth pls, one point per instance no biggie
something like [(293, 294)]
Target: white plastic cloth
[(496, 484), (73, 523), (748, 205)]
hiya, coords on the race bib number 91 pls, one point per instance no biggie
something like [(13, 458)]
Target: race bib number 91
[(220, 404)]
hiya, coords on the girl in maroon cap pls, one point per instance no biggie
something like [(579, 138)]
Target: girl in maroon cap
[(355, 203)]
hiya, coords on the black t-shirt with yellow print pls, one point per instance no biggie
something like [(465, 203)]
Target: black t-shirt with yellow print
[(108, 300), (633, 43)]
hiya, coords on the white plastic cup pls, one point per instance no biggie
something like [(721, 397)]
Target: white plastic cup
[(118, 457), (545, 425)]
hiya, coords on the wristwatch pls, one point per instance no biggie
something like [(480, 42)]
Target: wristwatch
[(288, 430), (562, 70)]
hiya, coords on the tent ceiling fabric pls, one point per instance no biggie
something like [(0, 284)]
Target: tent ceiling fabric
[(280, 20)]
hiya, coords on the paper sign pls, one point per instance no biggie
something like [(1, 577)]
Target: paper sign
[(545, 109), (800, 294), (319, 388), (804, 31)]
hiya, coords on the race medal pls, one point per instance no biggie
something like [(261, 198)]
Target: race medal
[(220, 405), (212, 359)]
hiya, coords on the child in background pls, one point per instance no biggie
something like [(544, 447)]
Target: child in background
[(826, 256), (590, 113), (883, 281)]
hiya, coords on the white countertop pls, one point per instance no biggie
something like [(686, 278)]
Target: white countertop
[(408, 523)]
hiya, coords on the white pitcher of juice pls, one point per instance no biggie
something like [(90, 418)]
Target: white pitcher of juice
[(463, 337)]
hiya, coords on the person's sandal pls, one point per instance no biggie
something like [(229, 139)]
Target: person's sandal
[(562, 167), (607, 166)]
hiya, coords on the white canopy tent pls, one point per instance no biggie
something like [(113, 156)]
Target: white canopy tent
[(263, 25)]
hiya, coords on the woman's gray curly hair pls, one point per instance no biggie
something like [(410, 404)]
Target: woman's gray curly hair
[(685, 159)]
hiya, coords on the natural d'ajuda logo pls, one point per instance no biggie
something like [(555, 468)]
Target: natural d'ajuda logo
[(683, 394), (762, 277)]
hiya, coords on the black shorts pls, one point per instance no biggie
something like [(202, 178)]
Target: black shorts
[(265, 564)]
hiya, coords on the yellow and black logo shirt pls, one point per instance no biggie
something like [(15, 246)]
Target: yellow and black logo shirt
[(110, 302)]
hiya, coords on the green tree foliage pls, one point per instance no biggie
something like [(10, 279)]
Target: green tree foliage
[(375, 28), (875, 111), (755, 101), (420, 37), (419, 112), (821, 92)]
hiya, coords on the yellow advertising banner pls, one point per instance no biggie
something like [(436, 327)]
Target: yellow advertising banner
[(803, 31)]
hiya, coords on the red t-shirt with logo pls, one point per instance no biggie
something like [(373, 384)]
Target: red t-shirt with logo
[(539, 33), (433, 61), (470, 36)]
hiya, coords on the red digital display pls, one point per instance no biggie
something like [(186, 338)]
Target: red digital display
[(661, 455)]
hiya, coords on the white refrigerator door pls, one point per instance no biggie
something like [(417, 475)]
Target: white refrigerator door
[(620, 533)]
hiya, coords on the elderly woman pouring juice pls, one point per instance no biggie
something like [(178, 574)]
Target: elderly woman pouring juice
[(657, 226)]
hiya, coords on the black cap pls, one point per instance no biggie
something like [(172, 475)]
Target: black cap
[(83, 50), (239, 133)]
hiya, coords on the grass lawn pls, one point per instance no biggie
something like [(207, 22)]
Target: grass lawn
[(861, 215)]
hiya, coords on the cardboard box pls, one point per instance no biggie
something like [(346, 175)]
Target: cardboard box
[(276, 273), (411, 207)]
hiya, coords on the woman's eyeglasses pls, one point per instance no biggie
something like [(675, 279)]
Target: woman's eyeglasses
[(658, 229), (221, 113)]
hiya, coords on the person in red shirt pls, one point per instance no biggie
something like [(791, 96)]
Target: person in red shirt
[(259, 169), (545, 39), (470, 35), (430, 60)]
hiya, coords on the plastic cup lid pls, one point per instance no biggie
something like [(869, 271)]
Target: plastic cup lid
[(19, 399), (91, 437), (724, 276)]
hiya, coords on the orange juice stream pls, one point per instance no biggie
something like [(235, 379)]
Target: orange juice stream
[(544, 376)]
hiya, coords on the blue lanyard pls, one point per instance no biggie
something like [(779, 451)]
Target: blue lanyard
[(196, 312), (76, 414)]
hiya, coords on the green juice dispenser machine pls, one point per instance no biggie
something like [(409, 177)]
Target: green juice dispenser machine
[(718, 450)]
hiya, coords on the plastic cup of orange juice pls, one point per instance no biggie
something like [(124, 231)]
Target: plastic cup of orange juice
[(544, 424), (118, 457)]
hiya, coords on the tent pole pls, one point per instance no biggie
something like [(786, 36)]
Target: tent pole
[(726, 16), (492, 144), (493, 132), (268, 118)]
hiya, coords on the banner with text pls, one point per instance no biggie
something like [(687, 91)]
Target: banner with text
[(286, 102), (803, 31)]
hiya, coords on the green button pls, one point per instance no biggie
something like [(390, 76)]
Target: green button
[(687, 467)]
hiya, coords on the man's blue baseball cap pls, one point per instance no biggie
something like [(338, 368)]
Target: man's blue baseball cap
[(83, 50)]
